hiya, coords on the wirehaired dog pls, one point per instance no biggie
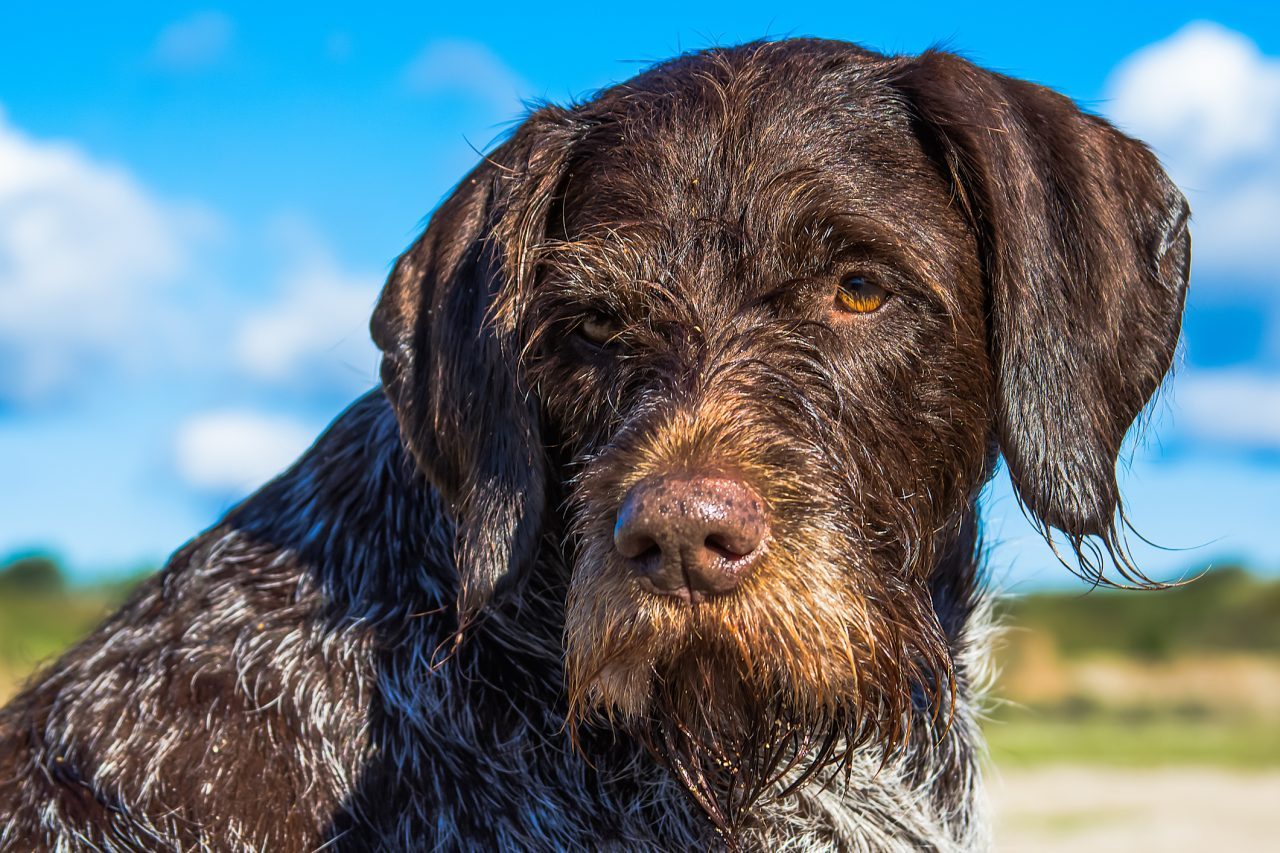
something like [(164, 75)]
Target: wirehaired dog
[(661, 532)]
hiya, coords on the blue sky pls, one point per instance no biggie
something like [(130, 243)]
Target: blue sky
[(198, 205)]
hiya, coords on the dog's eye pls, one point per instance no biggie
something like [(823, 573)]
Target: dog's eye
[(858, 294), (598, 329)]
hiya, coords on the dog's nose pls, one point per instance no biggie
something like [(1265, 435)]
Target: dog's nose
[(692, 535)]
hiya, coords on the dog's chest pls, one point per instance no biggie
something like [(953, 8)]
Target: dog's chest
[(485, 762), (476, 755)]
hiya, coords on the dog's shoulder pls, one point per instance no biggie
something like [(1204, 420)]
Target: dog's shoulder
[(235, 682)]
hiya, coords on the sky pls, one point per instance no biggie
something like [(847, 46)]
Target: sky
[(198, 206)]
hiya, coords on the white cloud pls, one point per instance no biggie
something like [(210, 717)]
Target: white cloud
[(1229, 407), (1208, 101), (86, 253), (197, 41), (235, 451), (316, 332), (99, 279), (468, 68), (1205, 92), (318, 326)]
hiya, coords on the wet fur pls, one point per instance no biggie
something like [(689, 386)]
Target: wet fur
[(420, 637)]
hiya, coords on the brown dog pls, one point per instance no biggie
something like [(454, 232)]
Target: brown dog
[(699, 381)]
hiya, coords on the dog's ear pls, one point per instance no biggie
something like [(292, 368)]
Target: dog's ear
[(1086, 253), (446, 324)]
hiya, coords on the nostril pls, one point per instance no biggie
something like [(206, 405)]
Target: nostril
[(646, 551), (633, 540), (722, 547)]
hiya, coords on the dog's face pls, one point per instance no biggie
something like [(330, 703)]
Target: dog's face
[(734, 333), (745, 332)]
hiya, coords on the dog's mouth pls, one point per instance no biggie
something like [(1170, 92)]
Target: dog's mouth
[(628, 638), (685, 570), (796, 607), (746, 692), (784, 614)]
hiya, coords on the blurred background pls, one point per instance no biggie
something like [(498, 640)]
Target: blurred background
[(198, 205)]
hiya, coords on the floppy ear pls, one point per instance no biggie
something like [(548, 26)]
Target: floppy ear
[(1086, 254), (446, 326)]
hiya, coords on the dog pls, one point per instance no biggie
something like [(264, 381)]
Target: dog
[(661, 531)]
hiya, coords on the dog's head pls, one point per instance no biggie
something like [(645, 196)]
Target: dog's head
[(747, 327)]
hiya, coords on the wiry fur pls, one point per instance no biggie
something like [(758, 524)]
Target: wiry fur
[(289, 678), (421, 637)]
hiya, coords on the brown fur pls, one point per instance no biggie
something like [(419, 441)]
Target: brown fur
[(1037, 259)]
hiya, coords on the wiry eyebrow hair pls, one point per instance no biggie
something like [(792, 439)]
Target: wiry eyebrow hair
[(624, 267), (831, 234), (798, 211), (835, 233), (619, 269)]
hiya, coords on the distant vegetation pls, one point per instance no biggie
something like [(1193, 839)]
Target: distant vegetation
[(1227, 610), (1185, 675), (40, 614), (1189, 675)]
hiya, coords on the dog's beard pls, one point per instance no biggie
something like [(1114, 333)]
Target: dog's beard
[(756, 692), (729, 739)]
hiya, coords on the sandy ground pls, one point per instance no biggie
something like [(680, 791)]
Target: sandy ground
[(1099, 810)]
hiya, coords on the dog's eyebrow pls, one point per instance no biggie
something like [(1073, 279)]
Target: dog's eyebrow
[(608, 266), (852, 230), (829, 235), (638, 254)]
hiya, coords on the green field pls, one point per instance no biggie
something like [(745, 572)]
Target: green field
[(1125, 740), (40, 615), (1183, 676)]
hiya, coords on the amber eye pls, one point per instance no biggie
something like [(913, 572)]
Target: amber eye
[(858, 294), (598, 329)]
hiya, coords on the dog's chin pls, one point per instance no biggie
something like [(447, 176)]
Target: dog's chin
[(696, 681), (711, 695), (633, 655), (776, 680), (808, 652), (728, 728)]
